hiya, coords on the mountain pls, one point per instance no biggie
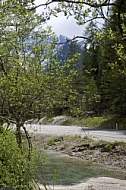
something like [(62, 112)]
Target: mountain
[(62, 48), (66, 48), (63, 39)]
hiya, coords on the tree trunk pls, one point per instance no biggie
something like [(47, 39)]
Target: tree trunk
[(18, 135)]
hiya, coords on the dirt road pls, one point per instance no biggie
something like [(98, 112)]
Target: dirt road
[(107, 135)]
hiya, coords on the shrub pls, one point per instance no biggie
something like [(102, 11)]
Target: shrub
[(14, 164)]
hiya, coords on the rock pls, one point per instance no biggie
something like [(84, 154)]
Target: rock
[(60, 148), (31, 121), (92, 147), (105, 149), (80, 148), (42, 121), (59, 120), (72, 154)]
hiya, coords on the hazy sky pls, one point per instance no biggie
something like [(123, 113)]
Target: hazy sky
[(61, 25)]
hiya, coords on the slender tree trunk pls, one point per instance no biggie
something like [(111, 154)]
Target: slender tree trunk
[(29, 142), (18, 135)]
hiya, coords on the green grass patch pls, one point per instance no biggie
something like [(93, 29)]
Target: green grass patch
[(87, 121), (108, 146), (107, 122), (73, 137), (52, 141), (117, 143)]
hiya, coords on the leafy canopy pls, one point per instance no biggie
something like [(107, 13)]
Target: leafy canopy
[(29, 86)]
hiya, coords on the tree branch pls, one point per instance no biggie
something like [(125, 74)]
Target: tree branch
[(95, 5), (69, 40)]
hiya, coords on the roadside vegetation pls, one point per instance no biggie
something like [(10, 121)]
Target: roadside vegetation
[(106, 122)]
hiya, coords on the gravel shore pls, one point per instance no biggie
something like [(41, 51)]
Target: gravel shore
[(108, 154)]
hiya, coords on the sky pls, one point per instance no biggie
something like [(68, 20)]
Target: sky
[(61, 25)]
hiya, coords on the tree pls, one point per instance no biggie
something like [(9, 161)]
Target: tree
[(109, 38), (20, 61), (113, 78), (27, 89), (106, 55)]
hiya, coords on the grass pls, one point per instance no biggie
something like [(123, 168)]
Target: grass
[(109, 145), (87, 121), (74, 137), (52, 141), (108, 122)]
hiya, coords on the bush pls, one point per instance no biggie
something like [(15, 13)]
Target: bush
[(14, 165)]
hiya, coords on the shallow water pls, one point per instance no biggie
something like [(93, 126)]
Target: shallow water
[(63, 170)]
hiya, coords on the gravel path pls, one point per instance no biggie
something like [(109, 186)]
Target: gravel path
[(107, 135)]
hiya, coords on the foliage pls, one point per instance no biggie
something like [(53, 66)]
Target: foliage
[(16, 170), (14, 166), (104, 58), (32, 82), (91, 95)]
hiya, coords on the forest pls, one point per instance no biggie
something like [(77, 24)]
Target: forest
[(35, 84)]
